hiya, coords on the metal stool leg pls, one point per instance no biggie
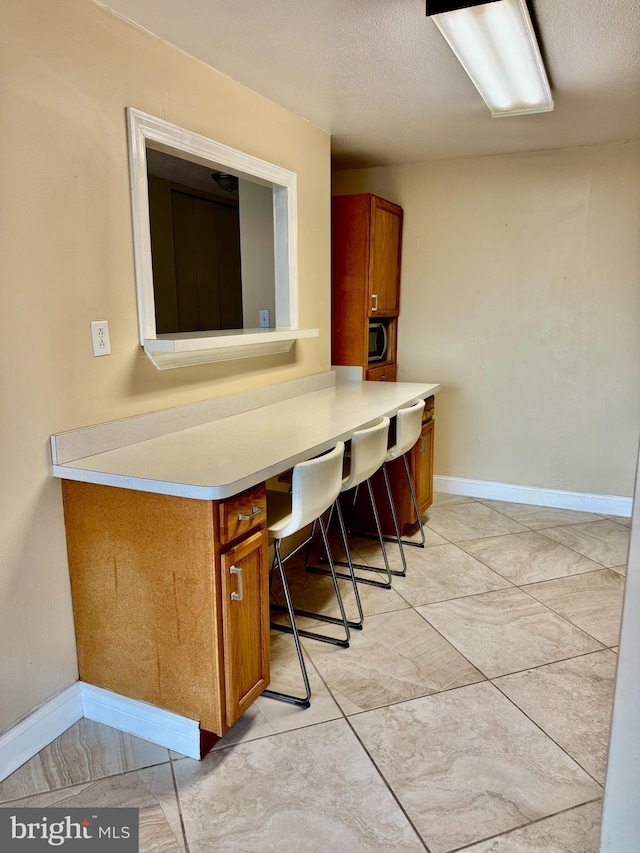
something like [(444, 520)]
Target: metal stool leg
[(274, 694), (387, 570), (353, 623), (345, 541), (394, 518), (414, 498), (342, 620)]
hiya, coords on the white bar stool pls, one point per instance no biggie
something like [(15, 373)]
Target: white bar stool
[(315, 485), (408, 430), (367, 455)]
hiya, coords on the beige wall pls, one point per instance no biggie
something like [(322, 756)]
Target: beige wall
[(521, 295), (256, 253), (69, 69)]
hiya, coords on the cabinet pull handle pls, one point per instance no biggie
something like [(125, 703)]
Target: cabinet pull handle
[(255, 511), (236, 596), (423, 444), (374, 300), (383, 377)]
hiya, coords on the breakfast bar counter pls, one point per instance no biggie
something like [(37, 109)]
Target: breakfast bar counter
[(165, 516), (225, 456)]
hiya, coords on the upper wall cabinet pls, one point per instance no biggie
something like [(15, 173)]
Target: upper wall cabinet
[(216, 248), (366, 249), (367, 243), (385, 245)]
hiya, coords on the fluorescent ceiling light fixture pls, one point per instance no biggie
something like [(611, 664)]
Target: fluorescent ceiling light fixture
[(496, 45)]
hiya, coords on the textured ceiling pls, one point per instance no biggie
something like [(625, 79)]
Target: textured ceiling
[(380, 78)]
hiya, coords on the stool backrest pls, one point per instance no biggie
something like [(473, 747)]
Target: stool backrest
[(368, 452), (315, 485), (408, 429)]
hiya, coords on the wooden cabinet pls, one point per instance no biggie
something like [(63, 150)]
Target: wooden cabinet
[(170, 598), (366, 248)]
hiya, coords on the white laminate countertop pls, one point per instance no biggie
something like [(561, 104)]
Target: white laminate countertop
[(219, 459)]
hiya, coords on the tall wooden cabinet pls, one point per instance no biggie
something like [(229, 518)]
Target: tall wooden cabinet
[(170, 598), (366, 254), (367, 245)]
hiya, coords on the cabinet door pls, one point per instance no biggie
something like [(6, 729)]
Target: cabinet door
[(384, 263), (423, 466), (245, 617)]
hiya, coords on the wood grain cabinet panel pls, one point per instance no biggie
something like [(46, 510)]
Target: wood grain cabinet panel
[(384, 251), (149, 580), (421, 464), (245, 612)]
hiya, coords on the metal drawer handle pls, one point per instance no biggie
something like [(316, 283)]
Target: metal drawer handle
[(423, 444), (255, 511), (236, 596), (374, 299)]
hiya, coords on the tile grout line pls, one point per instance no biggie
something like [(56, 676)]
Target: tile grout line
[(3, 803), (546, 734), (422, 696), (179, 804), (564, 526), (526, 668), (388, 786), (567, 619), (531, 530), (297, 728), (548, 538), (600, 517), (524, 826)]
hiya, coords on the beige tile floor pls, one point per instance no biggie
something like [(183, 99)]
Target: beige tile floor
[(470, 714)]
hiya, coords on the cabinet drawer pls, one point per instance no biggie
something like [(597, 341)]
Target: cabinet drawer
[(242, 513), (382, 373)]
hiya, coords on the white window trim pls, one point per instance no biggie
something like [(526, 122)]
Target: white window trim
[(171, 139)]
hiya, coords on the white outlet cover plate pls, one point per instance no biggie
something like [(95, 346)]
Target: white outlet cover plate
[(100, 338)]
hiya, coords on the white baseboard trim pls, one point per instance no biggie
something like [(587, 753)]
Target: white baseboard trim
[(141, 719), (585, 501), (43, 725), (48, 721)]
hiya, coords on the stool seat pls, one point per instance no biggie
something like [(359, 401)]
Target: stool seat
[(408, 429), (315, 485), (368, 451)]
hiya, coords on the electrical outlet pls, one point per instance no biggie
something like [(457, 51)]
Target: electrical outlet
[(264, 318), (100, 337)]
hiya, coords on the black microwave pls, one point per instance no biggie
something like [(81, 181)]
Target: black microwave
[(377, 342)]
